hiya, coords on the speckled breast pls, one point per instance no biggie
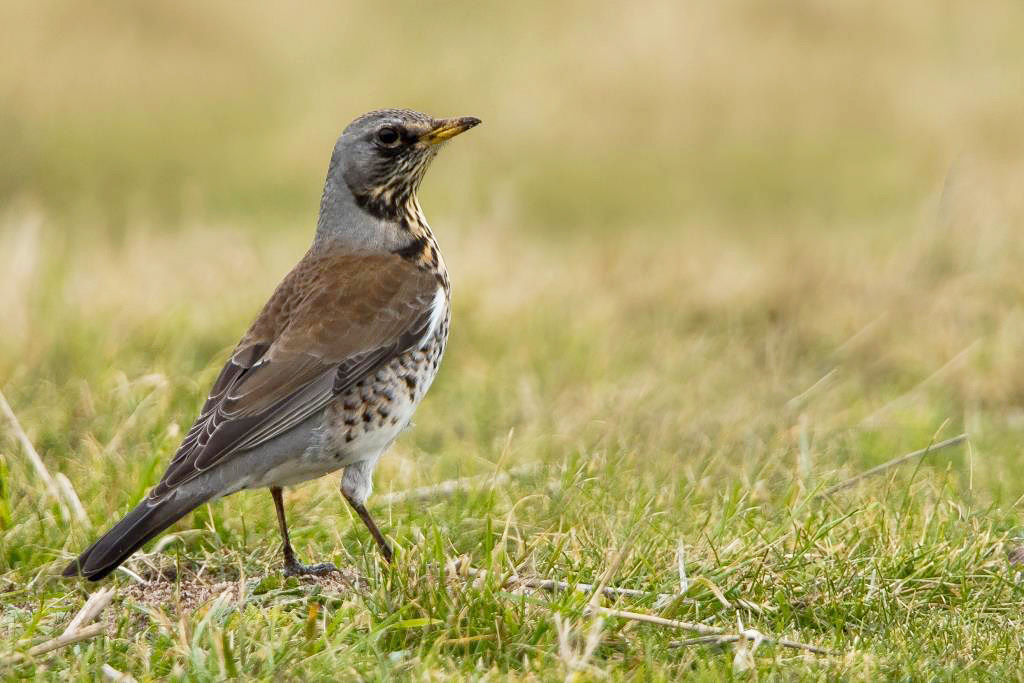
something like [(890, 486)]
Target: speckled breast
[(365, 419)]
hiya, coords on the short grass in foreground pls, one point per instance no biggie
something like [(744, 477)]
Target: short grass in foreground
[(704, 406)]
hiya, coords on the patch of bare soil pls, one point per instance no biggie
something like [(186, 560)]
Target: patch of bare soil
[(188, 594)]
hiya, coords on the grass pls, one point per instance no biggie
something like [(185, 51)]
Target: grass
[(747, 277)]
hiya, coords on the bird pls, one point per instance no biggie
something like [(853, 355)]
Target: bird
[(333, 367)]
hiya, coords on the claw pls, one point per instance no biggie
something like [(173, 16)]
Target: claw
[(298, 569)]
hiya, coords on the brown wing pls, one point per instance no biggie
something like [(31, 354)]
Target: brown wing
[(333, 319)]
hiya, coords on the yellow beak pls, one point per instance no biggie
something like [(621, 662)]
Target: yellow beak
[(445, 129)]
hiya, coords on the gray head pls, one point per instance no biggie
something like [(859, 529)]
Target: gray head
[(382, 156)]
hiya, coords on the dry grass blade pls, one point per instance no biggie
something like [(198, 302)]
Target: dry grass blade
[(37, 462), (932, 448), (71, 496), (609, 572), (78, 629), (92, 608), (684, 582), (706, 640), (450, 486), (90, 631), (704, 629), (160, 384), (112, 674), (875, 417), (611, 591), (576, 655), (797, 400)]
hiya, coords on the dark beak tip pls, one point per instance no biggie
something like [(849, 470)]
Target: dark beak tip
[(445, 129)]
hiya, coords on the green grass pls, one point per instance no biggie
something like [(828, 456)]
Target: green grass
[(702, 271), (675, 428)]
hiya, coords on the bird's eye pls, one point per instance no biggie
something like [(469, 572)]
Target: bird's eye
[(388, 136)]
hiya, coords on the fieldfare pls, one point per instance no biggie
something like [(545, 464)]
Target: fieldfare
[(336, 362)]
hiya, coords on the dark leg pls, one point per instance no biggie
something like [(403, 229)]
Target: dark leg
[(364, 515), (291, 565)]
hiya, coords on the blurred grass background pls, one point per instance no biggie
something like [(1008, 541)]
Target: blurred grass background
[(716, 255)]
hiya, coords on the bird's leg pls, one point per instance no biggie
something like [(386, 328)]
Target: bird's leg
[(292, 567), (364, 515), (356, 485)]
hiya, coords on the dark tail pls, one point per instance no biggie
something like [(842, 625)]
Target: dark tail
[(138, 526)]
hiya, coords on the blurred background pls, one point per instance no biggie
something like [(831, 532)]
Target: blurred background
[(753, 115), (677, 219)]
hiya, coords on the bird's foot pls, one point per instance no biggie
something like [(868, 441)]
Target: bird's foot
[(385, 550), (294, 568)]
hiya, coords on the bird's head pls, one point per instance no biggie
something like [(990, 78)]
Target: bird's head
[(382, 156)]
